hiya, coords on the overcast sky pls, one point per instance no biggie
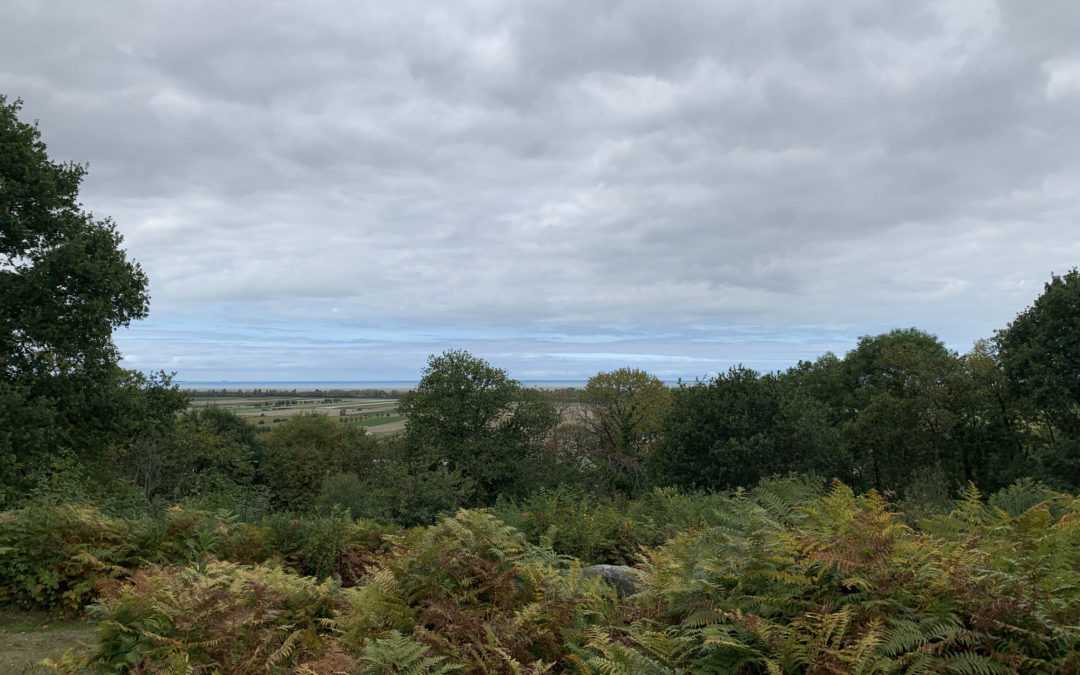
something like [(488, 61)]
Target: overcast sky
[(335, 190)]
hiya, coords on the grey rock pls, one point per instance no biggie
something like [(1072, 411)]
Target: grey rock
[(624, 578)]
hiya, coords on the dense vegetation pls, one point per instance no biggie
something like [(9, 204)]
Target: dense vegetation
[(788, 577), (460, 543)]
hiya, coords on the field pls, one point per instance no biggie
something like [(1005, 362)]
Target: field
[(378, 415)]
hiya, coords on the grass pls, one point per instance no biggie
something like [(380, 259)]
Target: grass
[(29, 637), (376, 421), (364, 409)]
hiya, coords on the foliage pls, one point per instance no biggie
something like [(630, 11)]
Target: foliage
[(472, 418), (624, 410), (299, 455), (472, 590), (900, 401), (209, 456), (1022, 495), (54, 557), (616, 530), (404, 493), (66, 285), (577, 524), (396, 653), (785, 578), (214, 618), (741, 427), (1040, 356), (843, 586)]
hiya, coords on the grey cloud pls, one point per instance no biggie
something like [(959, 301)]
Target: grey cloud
[(581, 165)]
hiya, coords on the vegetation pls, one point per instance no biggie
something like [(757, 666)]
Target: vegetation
[(791, 576), (66, 285), (473, 419), (201, 543), (623, 412)]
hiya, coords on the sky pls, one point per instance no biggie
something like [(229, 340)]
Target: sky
[(336, 190)]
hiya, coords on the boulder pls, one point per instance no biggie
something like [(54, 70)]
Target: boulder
[(625, 579)]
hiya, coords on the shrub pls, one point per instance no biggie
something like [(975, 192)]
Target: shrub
[(471, 589), (52, 556), (399, 492), (324, 545), (222, 617), (576, 524)]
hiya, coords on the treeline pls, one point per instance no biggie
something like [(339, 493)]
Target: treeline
[(899, 413)]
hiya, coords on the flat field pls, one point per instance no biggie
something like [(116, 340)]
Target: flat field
[(378, 415)]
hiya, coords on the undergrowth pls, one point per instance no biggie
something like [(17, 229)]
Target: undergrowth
[(790, 577)]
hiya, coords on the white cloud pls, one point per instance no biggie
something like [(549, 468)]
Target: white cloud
[(1063, 77)]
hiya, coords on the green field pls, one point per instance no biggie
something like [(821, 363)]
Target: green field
[(266, 411)]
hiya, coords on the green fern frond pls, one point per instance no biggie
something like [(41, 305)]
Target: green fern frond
[(396, 653), (977, 664), (903, 636)]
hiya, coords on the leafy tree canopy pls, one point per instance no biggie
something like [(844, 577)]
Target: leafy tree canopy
[(1040, 356), (65, 285), (740, 427), (299, 455), (1040, 352), (625, 410), (473, 418)]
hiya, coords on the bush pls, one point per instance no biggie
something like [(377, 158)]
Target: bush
[(300, 454), (615, 530), (784, 578), (575, 523), (1021, 496), (221, 616), (471, 589), (51, 557), (398, 492), (331, 544)]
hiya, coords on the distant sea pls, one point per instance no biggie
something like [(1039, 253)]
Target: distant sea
[(326, 385)]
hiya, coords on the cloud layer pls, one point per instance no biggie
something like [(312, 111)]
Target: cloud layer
[(335, 190)]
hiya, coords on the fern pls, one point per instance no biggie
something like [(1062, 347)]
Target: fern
[(396, 653), (977, 664)]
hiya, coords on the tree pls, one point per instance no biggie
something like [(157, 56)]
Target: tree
[(65, 285), (299, 455), (1040, 355), (206, 453), (742, 427), (898, 401), (473, 419), (625, 410)]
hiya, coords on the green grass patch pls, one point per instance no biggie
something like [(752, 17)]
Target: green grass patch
[(28, 637)]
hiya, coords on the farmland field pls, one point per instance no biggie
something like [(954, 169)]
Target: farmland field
[(379, 415)]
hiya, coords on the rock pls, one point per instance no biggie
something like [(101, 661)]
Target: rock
[(624, 578)]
